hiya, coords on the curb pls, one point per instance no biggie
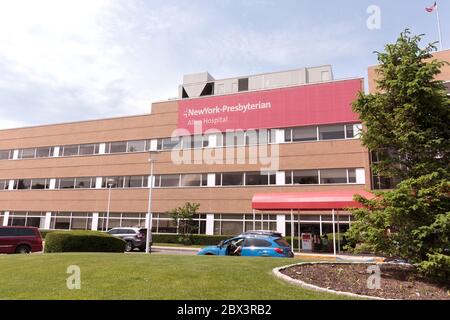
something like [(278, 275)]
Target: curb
[(300, 283), (176, 248)]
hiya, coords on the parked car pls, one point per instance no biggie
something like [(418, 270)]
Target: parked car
[(253, 245), (134, 237), (20, 240)]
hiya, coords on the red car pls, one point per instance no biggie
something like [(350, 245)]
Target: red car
[(20, 240)]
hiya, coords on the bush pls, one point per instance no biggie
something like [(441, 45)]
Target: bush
[(437, 266), (82, 241)]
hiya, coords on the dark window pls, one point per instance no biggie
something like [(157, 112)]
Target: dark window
[(43, 152), (117, 147), (24, 184), (256, 179), (191, 180), (84, 183), (306, 177), (16, 232), (208, 90), (70, 150), (39, 184), (113, 182), (66, 183), (304, 134), (351, 175), (170, 180), (28, 153), (243, 84), (331, 132), (171, 143), (3, 185), (136, 146), (184, 95), (87, 149), (5, 154), (134, 182), (250, 242), (232, 179), (333, 176), (349, 131), (282, 242)]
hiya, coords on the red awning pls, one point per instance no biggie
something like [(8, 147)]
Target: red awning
[(323, 200)]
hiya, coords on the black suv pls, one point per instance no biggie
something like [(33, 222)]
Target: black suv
[(134, 237)]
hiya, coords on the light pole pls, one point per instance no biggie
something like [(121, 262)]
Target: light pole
[(109, 184), (149, 220)]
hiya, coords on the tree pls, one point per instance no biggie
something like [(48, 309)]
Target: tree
[(184, 219), (407, 121), (408, 118)]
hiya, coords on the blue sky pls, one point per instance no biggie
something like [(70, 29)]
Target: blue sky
[(65, 60)]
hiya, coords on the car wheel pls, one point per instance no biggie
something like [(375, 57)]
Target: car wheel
[(23, 249), (129, 246)]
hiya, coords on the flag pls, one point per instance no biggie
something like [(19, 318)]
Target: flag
[(432, 8)]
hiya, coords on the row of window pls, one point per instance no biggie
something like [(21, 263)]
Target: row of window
[(224, 224), (317, 176), (322, 176), (239, 138)]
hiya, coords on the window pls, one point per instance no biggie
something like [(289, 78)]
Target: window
[(234, 138), (4, 185), (306, 177), (16, 232), (333, 176), (304, 134), (171, 143), (136, 181), (232, 179), (332, 132), (243, 84), (84, 183), (349, 131), (68, 151), (24, 184), (66, 183), (191, 180), (113, 182), (88, 149), (28, 153), (208, 90), (5, 154), (136, 146), (44, 152), (251, 242), (256, 179), (117, 147), (170, 180), (351, 175), (39, 184)]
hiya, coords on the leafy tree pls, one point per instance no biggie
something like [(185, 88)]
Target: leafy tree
[(184, 218), (407, 121), (408, 118)]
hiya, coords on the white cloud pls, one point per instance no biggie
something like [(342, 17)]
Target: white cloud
[(77, 59)]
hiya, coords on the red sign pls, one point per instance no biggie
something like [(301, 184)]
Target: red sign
[(314, 104)]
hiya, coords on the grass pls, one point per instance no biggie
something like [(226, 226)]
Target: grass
[(138, 276)]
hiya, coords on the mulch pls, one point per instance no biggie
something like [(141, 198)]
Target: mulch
[(398, 281)]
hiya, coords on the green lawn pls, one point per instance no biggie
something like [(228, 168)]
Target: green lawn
[(138, 276)]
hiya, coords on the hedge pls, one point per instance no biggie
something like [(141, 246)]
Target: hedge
[(82, 241)]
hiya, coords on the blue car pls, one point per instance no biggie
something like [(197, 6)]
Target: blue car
[(252, 245)]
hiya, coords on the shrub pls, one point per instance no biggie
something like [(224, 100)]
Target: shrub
[(82, 241)]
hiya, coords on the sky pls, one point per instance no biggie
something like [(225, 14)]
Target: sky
[(65, 60)]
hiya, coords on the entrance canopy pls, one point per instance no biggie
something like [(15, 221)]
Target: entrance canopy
[(323, 200)]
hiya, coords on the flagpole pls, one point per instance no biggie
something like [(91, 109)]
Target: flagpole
[(439, 25)]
